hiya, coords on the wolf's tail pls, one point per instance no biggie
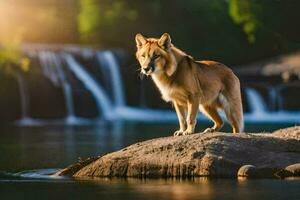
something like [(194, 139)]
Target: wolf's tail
[(233, 108)]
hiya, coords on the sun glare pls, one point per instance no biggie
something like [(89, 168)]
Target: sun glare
[(36, 21)]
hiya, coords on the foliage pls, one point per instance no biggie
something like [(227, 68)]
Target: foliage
[(11, 57), (88, 19), (244, 13), (231, 31), (97, 20)]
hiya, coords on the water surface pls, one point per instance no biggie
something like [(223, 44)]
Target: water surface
[(29, 154)]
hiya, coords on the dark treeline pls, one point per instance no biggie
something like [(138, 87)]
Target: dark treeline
[(232, 31)]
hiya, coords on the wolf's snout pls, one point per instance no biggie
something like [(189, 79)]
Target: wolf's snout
[(147, 69)]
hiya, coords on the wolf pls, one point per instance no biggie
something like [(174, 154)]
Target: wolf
[(191, 85)]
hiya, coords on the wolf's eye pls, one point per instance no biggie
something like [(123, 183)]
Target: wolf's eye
[(143, 56), (154, 57)]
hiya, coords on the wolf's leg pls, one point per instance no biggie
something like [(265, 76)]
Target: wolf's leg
[(212, 113), (180, 111), (192, 107), (233, 120), (233, 123)]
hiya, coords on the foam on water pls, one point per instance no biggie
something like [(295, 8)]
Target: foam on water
[(32, 175)]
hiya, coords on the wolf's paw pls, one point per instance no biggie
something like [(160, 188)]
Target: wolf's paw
[(178, 133), (187, 132), (209, 130)]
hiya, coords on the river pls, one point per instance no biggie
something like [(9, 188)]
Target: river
[(28, 154)]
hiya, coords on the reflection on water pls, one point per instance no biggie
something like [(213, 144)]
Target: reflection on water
[(24, 148), (176, 189)]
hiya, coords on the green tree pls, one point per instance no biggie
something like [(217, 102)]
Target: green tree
[(244, 13), (13, 62), (102, 21), (11, 56)]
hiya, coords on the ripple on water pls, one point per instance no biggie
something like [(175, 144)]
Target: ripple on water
[(32, 175)]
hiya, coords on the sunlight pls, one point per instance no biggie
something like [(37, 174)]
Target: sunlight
[(36, 20)]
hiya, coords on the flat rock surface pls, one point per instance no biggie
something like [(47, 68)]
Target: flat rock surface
[(209, 154)]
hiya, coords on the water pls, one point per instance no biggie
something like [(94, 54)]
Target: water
[(103, 103), (53, 70), (39, 147), (30, 154), (111, 67), (259, 112), (25, 148), (55, 64), (151, 189), (256, 102)]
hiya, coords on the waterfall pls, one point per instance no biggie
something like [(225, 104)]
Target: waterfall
[(55, 63), (23, 89), (256, 102), (48, 67), (103, 103), (67, 89), (280, 98), (272, 91), (276, 99), (109, 63), (52, 67)]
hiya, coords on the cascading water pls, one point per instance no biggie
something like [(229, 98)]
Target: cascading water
[(103, 103), (110, 65), (260, 113), (52, 68), (23, 89), (273, 98), (51, 64), (55, 64), (279, 98), (49, 68), (256, 102), (67, 89)]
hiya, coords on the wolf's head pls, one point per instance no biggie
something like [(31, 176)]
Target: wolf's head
[(154, 54)]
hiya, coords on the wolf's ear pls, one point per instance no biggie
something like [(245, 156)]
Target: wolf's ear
[(140, 40), (165, 41)]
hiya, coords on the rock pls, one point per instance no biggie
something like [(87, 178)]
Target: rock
[(294, 169), (72, 169), (247, 171), (291, 170), (250, 171), (210, 154)]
